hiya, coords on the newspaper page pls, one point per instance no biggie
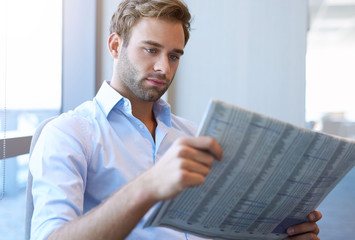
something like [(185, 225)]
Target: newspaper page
[(271, 176)]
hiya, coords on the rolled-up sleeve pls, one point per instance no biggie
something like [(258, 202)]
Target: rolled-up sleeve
[(58, 165)]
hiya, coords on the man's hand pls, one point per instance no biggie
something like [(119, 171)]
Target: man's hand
[(306, 231), (185, 164)]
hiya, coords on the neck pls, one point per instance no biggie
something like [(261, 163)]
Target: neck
[(144, 111)]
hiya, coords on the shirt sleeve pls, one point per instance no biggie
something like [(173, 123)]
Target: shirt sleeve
[(58, 165)]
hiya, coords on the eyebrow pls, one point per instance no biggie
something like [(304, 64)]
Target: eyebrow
[(158, 45)]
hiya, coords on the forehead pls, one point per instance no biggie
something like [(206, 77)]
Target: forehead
[(166, 32)]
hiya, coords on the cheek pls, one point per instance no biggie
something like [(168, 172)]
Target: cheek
[(141, 62), (173, 68)]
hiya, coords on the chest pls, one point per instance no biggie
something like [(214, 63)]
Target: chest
[(123, 150)]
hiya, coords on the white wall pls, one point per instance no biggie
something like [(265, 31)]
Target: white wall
[(247, 52), (78, 75), (105, 9)]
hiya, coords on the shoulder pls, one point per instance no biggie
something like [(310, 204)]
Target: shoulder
[(71, 133), (77, 125), (79, 118)]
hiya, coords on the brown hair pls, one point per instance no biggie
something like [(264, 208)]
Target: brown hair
[(130, 11)]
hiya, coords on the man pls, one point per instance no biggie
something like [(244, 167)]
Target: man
[(99, 169)]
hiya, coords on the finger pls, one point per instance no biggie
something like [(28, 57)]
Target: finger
[(175, 184), (191, 179), (314, 216), (202, 157), (203, 143), (195, 167), (306, 227), (306, 236)]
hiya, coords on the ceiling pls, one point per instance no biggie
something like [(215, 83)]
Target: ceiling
[(333, 18)]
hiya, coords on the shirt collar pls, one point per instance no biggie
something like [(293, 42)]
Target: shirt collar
[(162, 112), (108, 98)]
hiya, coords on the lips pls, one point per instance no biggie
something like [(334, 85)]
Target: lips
[(156, 82)]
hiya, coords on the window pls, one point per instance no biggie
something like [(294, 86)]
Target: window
[(330, 100), (330, 71), (30, 91)]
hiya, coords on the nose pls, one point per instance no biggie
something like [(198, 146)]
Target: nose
[(162, 65)]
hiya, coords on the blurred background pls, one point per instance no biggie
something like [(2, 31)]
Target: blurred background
[(290, 59)]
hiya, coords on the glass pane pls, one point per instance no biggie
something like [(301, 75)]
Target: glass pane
[(30, 91), (330, 67), (330, 101)]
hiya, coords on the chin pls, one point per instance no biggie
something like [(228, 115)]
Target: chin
[(152, 97)]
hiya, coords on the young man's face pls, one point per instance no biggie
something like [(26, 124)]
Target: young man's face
[(146, 67)]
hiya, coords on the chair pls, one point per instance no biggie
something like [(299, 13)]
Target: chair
[(29, 199)]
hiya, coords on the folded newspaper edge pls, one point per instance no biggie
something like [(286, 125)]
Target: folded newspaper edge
[(271, 176)]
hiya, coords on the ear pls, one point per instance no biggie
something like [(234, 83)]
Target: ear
[(114, 44)]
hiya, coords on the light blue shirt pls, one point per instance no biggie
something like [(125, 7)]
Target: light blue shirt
[(85, 155)]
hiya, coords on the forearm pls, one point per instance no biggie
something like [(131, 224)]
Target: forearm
[(113, 219), (185, 164)]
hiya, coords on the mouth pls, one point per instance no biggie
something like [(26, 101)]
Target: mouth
[(156, 82)]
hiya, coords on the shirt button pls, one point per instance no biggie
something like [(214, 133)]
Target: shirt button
[(125, 104), (141, 126)]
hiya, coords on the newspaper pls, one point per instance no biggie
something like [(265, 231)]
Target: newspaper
[(272, 175)]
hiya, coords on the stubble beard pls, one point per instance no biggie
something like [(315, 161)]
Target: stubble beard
[(129, 76)]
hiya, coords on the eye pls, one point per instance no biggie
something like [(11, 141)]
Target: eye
[(151, 50), (174, 57)]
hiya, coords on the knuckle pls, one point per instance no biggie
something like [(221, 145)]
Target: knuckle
[(182, 141), (179, 142), (183, 178), (187, 180), (183, 164), (315, 228), (183, 151), (208, 160), (313, 236)]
